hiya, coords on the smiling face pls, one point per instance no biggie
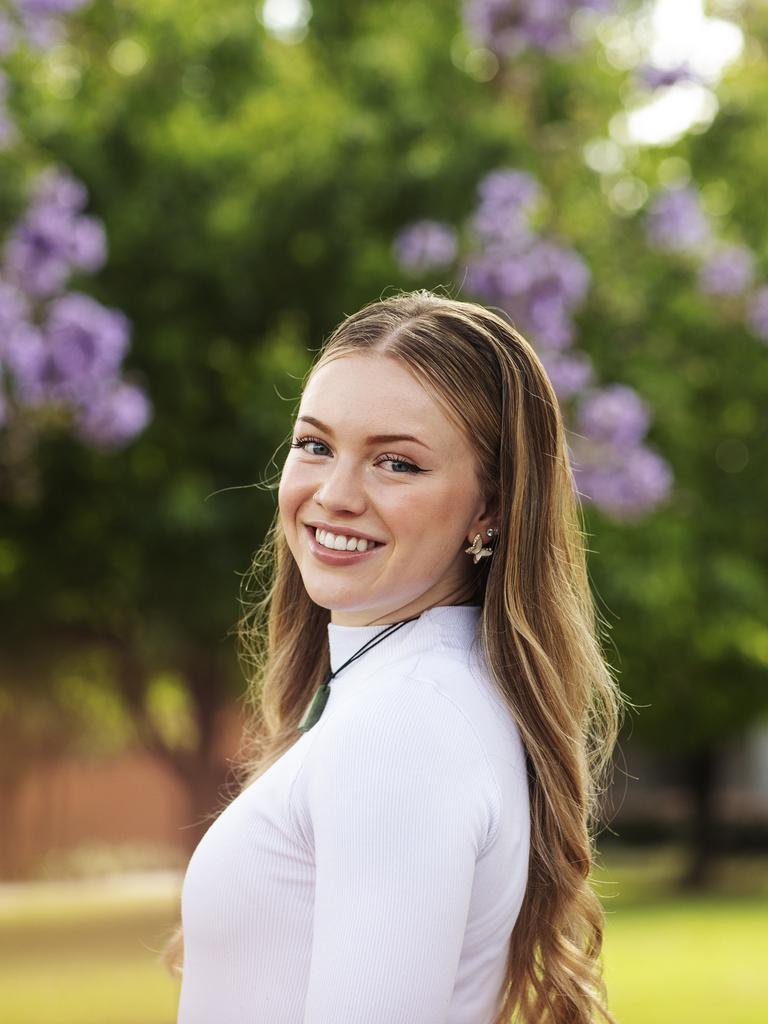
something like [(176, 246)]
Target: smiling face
[(420, 498)]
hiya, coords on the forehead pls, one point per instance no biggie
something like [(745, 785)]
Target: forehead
[(372, 392)]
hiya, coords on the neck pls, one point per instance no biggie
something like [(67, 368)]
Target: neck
[(449, 625), (464, 595)]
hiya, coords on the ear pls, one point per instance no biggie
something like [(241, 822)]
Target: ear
[(487, 517)]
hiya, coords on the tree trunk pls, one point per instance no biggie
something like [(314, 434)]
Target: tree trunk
[(205, 800), (11, 863), (702, 771)]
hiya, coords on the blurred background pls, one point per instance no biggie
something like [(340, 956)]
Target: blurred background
[(192, 196)]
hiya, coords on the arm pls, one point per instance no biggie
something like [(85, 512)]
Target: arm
[(401, 800)]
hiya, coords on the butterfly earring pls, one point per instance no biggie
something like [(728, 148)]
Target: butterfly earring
[(476, 547)]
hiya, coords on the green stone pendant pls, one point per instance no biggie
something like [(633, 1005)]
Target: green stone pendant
[(315, 709)]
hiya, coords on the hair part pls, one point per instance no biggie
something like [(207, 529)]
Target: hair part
[(540, 631)]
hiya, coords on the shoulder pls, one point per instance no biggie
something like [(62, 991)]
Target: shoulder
[(405, 746), (411, 710)]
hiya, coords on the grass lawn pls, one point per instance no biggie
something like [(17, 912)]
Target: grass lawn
[(672, 958), (85, 953)]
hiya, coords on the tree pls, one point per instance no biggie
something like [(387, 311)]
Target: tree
[(253, 192)]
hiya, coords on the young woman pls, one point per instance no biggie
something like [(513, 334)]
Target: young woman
[(432, 713)]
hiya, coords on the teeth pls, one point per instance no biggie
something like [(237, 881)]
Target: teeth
[(338, 542)]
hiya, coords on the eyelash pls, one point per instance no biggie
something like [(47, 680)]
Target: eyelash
[(413, 468)]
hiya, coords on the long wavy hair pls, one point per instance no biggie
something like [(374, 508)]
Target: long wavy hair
[(540, 631)]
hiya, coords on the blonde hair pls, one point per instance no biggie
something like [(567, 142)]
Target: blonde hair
[(539, 630)]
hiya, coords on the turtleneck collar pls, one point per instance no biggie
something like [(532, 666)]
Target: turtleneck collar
[(452, 625)]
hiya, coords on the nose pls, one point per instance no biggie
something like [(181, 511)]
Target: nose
[(340, 489)]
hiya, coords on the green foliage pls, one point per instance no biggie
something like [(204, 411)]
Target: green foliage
[(169, 709), (100, 724), (251, 191)]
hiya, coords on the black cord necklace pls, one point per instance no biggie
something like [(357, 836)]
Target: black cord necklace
[(320, 699)]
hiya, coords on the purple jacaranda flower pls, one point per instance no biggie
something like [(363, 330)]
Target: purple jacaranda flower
[(554, 333), (510, 26), (615, 414), (75, 355), (497, 25), (88, 251), (625, 487), (676, 220), (546, 309), (509, 189), (559, 280), (570, 373), (9, 35), (496, 275), (548, 271), (52, 239), (48, 8), (539, 287), (757, 313), (25, 355), (728, 271), (548, 22), (14, 310), (53, 186), (553, 261), (41, 32), (87, 342), (506, 199), (37, 252), (514, 274), (478, 276), (653, 77), (41, 20), (114, 416), (425, 244), (549, 321)]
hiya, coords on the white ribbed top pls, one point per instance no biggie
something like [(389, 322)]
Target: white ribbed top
[(373, 874)]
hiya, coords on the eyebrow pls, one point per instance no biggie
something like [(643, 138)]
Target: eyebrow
[(373, 439)]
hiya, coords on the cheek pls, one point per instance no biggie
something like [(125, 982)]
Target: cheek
[(438, 521), (407, 512), (289, 495), (422, 518)]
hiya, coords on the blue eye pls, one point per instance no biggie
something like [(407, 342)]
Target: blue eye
[(410, 467), (301, 441), (396, 461)]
